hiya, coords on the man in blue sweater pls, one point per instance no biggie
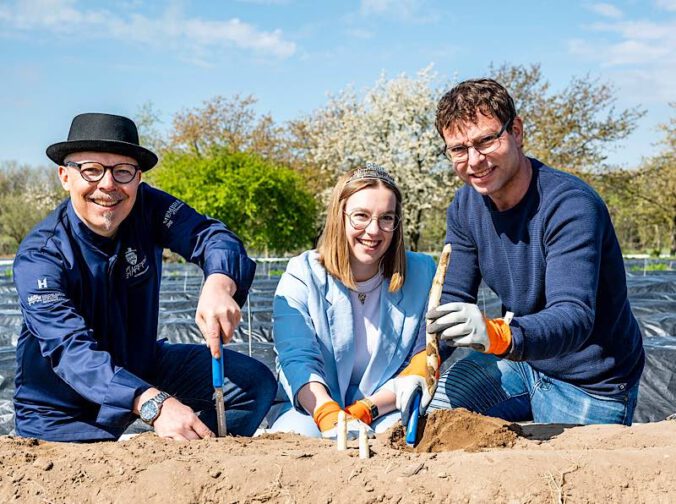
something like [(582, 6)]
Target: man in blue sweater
[(543, 241), (88, 279)]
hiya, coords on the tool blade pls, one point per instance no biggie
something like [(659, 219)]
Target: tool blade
[(220, 414)]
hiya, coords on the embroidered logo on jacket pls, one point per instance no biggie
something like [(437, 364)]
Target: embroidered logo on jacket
[(135, 267), (45, 298), (130, 256), (171, 212), (42, 283)]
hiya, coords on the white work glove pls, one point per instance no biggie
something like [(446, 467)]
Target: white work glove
[(352, 431), (460, 325), (404, 388)]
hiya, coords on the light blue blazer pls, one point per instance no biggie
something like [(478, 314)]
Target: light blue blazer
[(314, 333)]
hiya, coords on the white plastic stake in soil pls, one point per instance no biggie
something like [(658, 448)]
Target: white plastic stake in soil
[(364, 450), (341, 432)]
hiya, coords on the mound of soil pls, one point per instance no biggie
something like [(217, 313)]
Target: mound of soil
[(552, 464), (458, 429)]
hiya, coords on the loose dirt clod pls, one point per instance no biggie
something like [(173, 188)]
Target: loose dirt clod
[(458, 429)]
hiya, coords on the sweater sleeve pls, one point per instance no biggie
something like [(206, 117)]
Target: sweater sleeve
[(463, 276), (575, 226)]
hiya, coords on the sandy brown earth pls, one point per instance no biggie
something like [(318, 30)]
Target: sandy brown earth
[(474, 459)]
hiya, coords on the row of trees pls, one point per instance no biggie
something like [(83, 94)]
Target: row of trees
[(270, 181)]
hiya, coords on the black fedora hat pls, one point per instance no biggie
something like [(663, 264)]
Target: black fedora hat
[(103, 133)]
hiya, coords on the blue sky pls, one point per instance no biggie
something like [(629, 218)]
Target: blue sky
[(63, 57)]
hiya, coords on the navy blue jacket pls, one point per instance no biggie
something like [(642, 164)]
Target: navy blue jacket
[(554, 260), (90, 305)]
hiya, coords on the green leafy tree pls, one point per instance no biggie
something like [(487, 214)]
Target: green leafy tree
[(646, 197), (571, 129), (27, 195), (267, 205)]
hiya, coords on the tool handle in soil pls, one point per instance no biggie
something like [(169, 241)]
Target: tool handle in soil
[(414, 415)]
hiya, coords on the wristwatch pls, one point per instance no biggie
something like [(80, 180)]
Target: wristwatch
[(371, 406), (150, 409)]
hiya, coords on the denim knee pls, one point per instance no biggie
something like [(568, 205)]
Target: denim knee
[(264, 387)]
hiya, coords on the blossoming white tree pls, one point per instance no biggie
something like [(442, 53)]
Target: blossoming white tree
[(391, 125)]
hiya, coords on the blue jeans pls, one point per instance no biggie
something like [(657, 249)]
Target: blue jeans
[(514, 391), (184, 371)]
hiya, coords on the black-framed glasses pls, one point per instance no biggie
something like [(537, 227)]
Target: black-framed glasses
[(485, 145), (360, 220), (92, 171)]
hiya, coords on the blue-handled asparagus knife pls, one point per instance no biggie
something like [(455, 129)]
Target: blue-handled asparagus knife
[(217, 379), (414, 415)]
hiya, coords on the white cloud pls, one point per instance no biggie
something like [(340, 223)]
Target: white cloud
[(669, 5), (359, 33), (640, 55), (266, 2), (404, 10), (606, 10), (172, 28)]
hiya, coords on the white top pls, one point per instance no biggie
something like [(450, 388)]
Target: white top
[(366, 319)]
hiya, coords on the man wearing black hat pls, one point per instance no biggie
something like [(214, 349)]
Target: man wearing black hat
[(88, 278)]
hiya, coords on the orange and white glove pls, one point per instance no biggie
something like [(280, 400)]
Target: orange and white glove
[(326, 417), (408, 382), (361, 411), (463, 325)]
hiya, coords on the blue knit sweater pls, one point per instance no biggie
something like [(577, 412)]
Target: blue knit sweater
[(554, 260)]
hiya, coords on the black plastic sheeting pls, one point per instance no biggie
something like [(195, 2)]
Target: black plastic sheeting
[(652, 296)]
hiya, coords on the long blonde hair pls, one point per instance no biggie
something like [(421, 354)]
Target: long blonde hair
[(333, 248)]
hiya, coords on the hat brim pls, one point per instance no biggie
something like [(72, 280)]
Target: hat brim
[(146, 159)]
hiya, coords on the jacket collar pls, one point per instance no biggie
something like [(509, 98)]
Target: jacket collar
[(341, 327)]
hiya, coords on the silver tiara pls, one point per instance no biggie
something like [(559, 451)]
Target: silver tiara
[(373, 171)]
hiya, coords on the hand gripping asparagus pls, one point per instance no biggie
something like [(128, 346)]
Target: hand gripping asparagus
[(432, 348)]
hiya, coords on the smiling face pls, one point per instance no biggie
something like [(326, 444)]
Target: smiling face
[(504, 174), (101, 205), (368, 246)]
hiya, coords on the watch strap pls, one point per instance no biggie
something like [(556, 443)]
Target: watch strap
[(371, 406)]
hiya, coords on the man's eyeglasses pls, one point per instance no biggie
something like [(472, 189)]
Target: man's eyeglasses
[(360, 220), (485, 145), (91, 171)]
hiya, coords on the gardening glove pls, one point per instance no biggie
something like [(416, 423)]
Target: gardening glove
[(326, 417), (463, 325), (361, 411), (404, 388), (406, 383)]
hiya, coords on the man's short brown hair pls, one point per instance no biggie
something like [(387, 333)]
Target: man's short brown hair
[(465, 101)]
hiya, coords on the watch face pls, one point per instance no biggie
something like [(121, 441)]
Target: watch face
[(149, 411)]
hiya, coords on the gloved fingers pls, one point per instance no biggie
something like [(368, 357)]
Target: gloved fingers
[(330, 434), (468, 341), (353, 427), (438, 311), (406, 403), (425, 400), (449, 320), (456, 331)]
